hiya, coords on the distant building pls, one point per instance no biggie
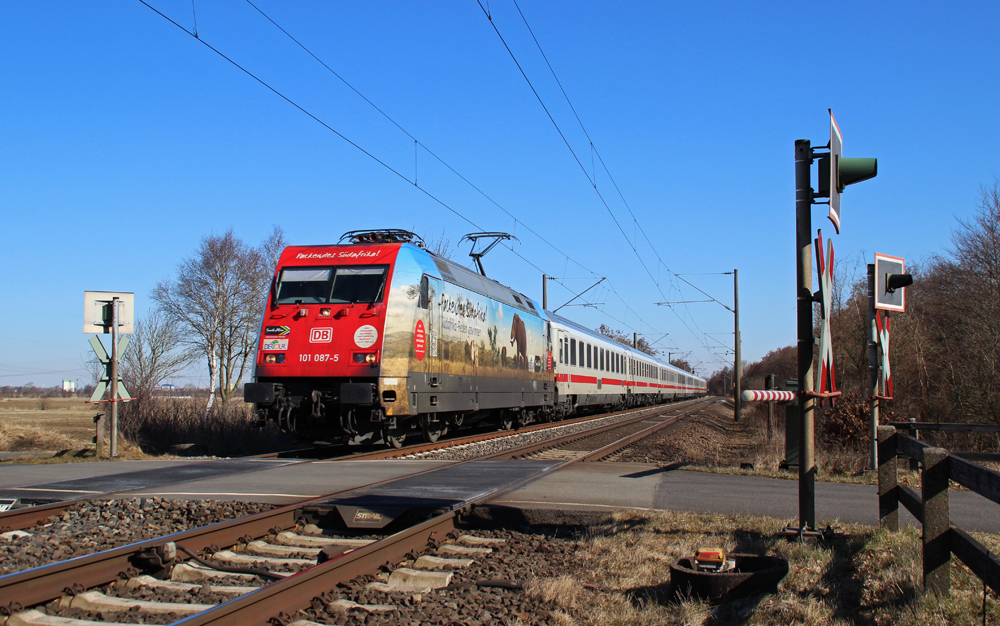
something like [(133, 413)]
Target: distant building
[(68, 385)]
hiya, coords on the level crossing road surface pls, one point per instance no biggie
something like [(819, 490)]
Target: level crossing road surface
[(587, 487)]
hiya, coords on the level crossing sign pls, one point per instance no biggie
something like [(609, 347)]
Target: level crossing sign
[(105, 378), (826, 380), (885, 373)]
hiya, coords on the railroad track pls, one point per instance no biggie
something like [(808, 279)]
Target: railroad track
[(26, 517), (272, 566)]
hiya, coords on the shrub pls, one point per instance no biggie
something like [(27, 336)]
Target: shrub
[(157, 424)]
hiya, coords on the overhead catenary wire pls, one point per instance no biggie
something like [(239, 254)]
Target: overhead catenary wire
[(430, 152), (580, 164), (416, 141), (360, 148)]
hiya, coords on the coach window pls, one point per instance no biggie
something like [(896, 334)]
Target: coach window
[(590, 362), (572, 351)]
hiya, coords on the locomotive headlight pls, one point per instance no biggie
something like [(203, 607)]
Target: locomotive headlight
[(273, 359), (324, 312), (370, 358)]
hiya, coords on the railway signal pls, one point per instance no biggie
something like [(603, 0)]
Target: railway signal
[(887, 282), (835, 173)]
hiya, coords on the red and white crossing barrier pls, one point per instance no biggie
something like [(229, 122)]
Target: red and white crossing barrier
[(768, 396)]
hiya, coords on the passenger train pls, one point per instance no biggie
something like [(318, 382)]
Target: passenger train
[(377, 338)]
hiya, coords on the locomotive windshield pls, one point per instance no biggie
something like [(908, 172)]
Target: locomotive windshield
[(332, 285)]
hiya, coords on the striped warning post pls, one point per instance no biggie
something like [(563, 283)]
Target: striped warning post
[(768, 396)]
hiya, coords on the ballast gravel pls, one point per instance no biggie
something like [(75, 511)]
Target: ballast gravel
[(90, 527), (490, 592), (502, 444)]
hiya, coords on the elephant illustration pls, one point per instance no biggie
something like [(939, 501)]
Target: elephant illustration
[(519, 339)]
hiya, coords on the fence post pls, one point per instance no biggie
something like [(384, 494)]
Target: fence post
[(937, 521), (888, 494)]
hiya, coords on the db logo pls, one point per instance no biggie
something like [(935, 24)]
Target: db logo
[(321, 335)]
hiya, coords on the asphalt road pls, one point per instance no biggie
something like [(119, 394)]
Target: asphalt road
[(583, 487)]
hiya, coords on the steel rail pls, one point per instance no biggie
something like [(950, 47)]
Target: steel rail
[(26, 517), (481, 437), (291, 594), (296, 592), (530, 449), (625, 442), (43, 584)]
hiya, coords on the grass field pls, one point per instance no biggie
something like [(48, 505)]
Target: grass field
[(46, 424), (864, 576)]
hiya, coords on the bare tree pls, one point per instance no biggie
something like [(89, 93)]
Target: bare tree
[(93, 366), (152, 354), (217, 299), (642, 345), (966, 312), (440, 246), (682, 364)]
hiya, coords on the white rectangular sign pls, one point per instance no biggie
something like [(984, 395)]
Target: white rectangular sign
[(97, 311)]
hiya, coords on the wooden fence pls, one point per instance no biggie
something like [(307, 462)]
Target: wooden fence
[(930, 506)]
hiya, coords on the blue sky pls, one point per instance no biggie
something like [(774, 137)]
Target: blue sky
[(126, 140)]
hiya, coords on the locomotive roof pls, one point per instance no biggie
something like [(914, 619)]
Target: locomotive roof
[(464, 277), (637, 353), (454, 273)]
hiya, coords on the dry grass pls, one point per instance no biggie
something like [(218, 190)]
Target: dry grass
[(52, 425), (64, 429), (33, 438), (866, 577), (70, 417), (227, 430), (713, 441)]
